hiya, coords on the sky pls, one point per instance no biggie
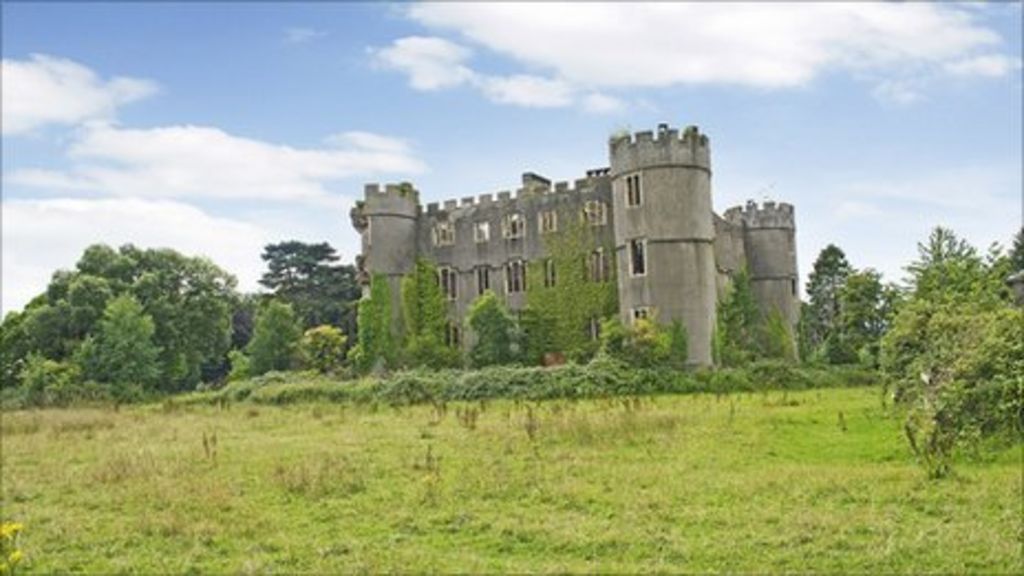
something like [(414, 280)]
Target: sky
[(216, 129)]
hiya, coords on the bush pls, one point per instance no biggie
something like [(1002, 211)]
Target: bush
[(323, 348)]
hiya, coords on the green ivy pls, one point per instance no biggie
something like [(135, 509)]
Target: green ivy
[(376, 341), (425, 315), (558, 316)]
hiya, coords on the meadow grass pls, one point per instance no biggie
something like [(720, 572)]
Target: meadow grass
[(817, 481)]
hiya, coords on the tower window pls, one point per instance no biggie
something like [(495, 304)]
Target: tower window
[(483, 279), (447, 278), (641, 313), (548, 221), (597, 266), (513, 226), (444, 233), (482, 231), (549, 273), (594, 328), (634, 195), (515, 276), (637, 257), (453, 336), (594, 213)]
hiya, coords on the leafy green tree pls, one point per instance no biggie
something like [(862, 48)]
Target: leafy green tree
[(735, 338), (775, 338), (323, 348), (376, 348), (425, 315), (866, 310), (560, 313), (275, 339), (495, 332), (122, 354), (308, 277), (88, 296), (824, 285), (1017, 251), (955, 351)]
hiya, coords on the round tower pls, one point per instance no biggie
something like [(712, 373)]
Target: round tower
[(387, 220), (769, 237), (664, 232)]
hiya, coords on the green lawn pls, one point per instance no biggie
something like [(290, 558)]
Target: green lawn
[(749, 483)]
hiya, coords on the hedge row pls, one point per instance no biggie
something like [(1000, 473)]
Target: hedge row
[(602, 377)]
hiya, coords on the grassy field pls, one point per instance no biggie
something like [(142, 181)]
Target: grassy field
[(814, 481)]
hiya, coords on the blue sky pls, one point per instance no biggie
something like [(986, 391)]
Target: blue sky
[(215, 129)]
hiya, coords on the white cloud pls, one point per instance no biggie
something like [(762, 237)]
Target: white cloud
[(992, 65), (431, 63), (40, 236), (602, 103), (526, 90), (901, 92), (49, 90), (297, 35), (206, 162), (766, 45)]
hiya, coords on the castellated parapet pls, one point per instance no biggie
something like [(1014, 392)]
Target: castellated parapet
[(650, 214)]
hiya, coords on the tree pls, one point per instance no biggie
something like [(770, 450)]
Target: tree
[(122, 354), (737, 321), (307, 277), (494, 330), (1017, 251), (323, 348), (866, 310), (955, 350), (275, 339), (425, 316), (824, 284)]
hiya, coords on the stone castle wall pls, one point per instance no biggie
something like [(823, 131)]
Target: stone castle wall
[(691, 252)]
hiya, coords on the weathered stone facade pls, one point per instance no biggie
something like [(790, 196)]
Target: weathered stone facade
[(673, 255)]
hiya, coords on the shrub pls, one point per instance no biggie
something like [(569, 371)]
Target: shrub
[(323, 348), (495, 332)]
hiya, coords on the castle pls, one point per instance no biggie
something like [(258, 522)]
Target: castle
[(673, 256)]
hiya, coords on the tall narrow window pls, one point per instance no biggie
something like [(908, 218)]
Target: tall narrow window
[(453, 336), (513, 225), (597, 266), (482, 231), (549, 273), (548, 221), (444, 233), (515, 275), (483, 279), (594, 213), (447, 280), (634, 196), (594, 328), (637, 257)]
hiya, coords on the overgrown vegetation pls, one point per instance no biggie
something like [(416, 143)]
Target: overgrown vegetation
[(955, 352), (787, 481)]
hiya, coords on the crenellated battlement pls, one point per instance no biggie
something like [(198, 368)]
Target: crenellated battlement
[(403, 191), (665, 146), (767, 215), (534, 187)]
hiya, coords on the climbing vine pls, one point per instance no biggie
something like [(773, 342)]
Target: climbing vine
[(425, 315), (376, 340), (559, 314)]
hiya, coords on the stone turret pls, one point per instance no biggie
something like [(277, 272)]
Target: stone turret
[(661, 197), (387, 220), (770, 240)]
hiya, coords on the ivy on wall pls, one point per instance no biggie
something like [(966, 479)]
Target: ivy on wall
[(425, 315), (558, 315), (376, 347)]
